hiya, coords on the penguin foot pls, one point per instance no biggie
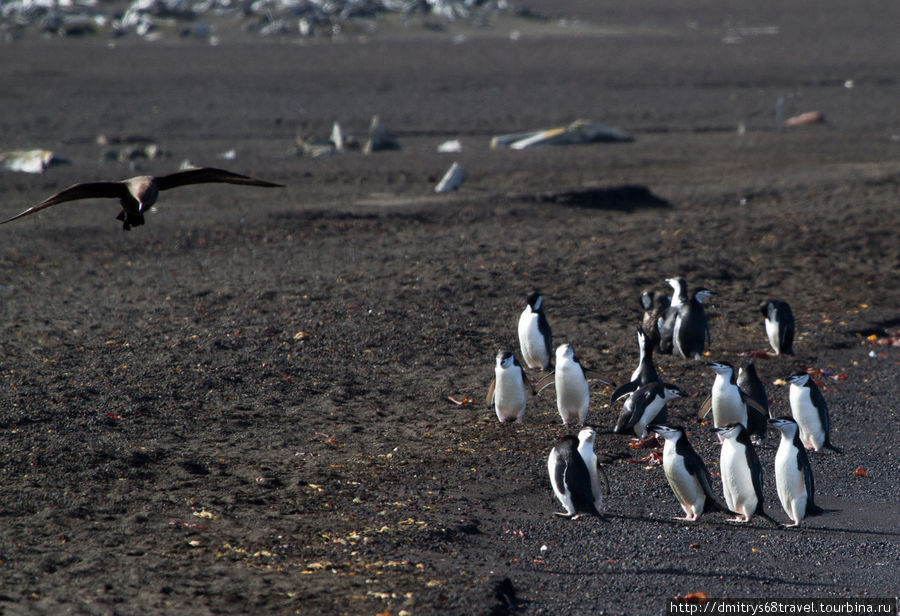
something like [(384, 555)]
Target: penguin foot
[(687, 518), (794, 525)]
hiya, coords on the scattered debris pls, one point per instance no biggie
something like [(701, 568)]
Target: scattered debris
[(884, 340), (810, 117), (314, 148), (693, 597), (450, 147), (578, 132), (753, 354), (651, 442), (135, 151), (338, 141), (379, 138), (861, 471), (30, 161), (462, 401), (452, 180)]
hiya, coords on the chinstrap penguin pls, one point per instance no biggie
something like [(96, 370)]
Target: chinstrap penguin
[(690, 334), (535, 335), (793, 475), (508, 391), (655, 306), (575, 475), (741, 472), (730, 404), (687, 474), (646, 406), (810, 411), (750, 383), (573, 395), (667, 316), (779, 325), (645, 371)]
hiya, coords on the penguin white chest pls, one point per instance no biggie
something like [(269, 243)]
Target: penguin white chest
[(805, 413), (790, 481), (727, 406), (509, 393), (772, 333), (737, 478), (531, 341), (572, 393)]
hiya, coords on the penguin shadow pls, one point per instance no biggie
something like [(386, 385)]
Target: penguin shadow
[(625, 198)]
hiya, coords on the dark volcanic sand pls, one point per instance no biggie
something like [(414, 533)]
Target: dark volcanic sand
[(241, 407)]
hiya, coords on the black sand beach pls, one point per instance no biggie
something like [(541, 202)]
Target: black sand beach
[(242, 406)]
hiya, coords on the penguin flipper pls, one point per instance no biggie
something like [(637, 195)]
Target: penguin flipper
[(593, 374), (631, 414), (603, 474), (489, 399), (695, 466), (624, 419), (749, 401), (705, 408), (527, 381), (818, 401), (545, 382), (625, 390)]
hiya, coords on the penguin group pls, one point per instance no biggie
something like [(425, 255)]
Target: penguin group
[(738, 402), (510, 385)]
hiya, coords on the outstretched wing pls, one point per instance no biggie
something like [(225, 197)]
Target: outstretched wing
[(593, 374), (546, 381), (705, 408), (208, 175), (625, 389), (87, 190)]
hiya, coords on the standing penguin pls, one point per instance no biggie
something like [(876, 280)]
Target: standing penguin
[(810, 412), (507, 391), (687, 474), (729, 403), (654, 306), (572, 393), (575, 474), (645, 371), (666, 319), (691, 332), (779, 325), (535, 336), (741, 473), (793, 475), (645, 406), (750, 383)]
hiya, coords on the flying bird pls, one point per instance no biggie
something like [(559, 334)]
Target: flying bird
[(138, 194)]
